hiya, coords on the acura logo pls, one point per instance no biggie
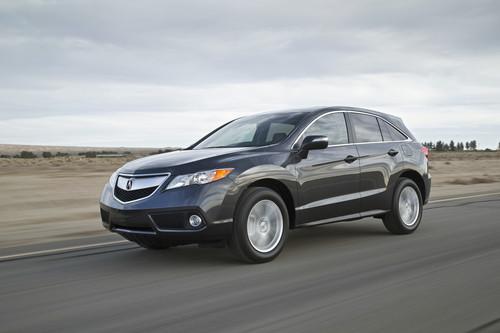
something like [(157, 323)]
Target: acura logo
[(130, 182)]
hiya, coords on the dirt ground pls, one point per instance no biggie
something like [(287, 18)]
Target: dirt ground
[(43, 200), (58, 198), (465, 173)]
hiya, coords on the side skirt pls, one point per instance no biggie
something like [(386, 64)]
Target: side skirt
[(352, 217)]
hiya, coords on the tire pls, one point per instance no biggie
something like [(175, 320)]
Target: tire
[(403, 218), (260, 227)]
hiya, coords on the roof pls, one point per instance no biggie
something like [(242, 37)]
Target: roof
[(397, 121)]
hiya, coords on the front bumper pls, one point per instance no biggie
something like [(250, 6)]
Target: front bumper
[(165, 214), (169, 225)]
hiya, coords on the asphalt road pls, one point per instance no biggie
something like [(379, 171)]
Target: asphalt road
[(346, 277)]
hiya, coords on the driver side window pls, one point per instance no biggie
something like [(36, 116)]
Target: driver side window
[(332, 126)]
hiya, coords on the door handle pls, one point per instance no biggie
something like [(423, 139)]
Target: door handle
[(350, 159), (393, 152)]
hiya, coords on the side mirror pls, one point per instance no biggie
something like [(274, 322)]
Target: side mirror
[(313, 142)]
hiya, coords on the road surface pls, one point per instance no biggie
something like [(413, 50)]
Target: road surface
[(345, 277)]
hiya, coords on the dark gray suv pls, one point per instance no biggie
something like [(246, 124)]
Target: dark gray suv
[(251, 180)]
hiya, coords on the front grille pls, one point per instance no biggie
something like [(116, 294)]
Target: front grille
[(134, 187), (127, 196)]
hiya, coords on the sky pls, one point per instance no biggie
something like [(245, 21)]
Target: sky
[(164, 73)]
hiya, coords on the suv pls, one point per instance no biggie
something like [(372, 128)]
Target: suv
[(251, 180)]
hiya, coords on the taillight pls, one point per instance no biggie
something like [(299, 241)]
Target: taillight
[(425, 150)]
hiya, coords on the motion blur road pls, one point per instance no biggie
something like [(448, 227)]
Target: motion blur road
[(345, 277)]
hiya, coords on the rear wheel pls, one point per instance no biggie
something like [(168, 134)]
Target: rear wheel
[(260, 226), (407, 208)]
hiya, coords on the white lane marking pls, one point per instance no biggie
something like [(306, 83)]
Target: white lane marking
[(90, 246), (467, 197), (62, 249)]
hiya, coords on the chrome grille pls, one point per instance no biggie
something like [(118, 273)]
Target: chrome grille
[(136, 187)]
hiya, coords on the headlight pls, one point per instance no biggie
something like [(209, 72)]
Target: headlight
[(202, 177), (112, 179)]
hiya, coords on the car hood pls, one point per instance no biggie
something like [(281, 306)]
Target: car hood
[(168, 162)]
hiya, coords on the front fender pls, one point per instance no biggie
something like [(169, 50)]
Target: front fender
[(261, 173)]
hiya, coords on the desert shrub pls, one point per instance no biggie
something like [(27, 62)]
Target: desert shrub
[(470, 181), (91, 154), (161, 151), (5, 156), (59, 154), (26, 154)]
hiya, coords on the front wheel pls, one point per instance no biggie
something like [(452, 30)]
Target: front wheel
[(407, 208), (260, 226)]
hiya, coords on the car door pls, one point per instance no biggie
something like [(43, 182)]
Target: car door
[(380, 159), (328, 178)]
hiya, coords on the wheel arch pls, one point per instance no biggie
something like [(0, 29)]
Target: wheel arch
[(418, 179), (285, 193)]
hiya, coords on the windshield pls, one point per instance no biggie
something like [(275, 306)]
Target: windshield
[(253, 131)]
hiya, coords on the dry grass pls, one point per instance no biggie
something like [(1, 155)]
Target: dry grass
[(465, 168), (464, 156), (62, 164), (16, 149), (473, 180)]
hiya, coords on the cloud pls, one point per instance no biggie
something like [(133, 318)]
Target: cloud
[(89, 61)]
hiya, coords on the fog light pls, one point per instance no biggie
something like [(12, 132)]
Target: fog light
[(195, 221)]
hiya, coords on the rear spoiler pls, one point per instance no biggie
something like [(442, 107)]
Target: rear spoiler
[(400, 124)]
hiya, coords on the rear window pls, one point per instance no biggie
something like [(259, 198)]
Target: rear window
[(366, 128), (389, 133)]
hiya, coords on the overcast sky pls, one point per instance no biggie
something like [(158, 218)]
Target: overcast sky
[(163, 73)]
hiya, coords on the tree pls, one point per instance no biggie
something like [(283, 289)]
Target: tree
[(439, 145), (427, 144), (46, 154), (452, 145), (498, 145), (473, 145), (467, 146)]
